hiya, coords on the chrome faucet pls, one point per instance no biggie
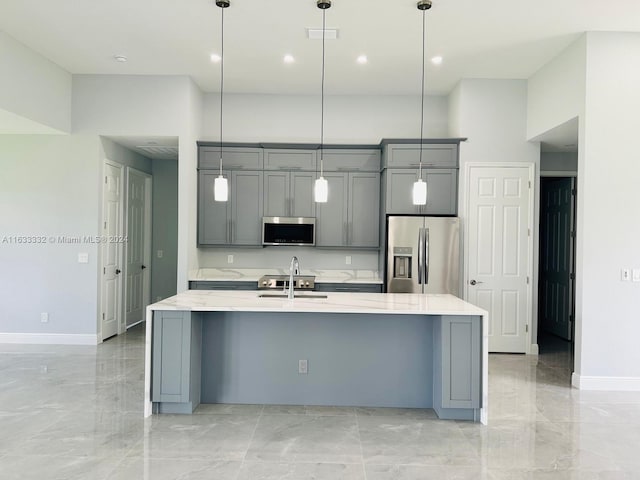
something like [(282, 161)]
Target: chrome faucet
[(294, 269)]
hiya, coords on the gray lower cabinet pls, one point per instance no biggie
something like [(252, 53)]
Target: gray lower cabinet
[(176, 361), (349, 287), (458, 360), (350, 217), (442, 191), (236, 222), (289, 194)]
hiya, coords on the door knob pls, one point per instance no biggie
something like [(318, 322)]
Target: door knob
[(143, 267), (473, 282), (118, 271)]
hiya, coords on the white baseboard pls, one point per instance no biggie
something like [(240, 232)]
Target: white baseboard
[(624, 384), (533, 349), (49, 338)]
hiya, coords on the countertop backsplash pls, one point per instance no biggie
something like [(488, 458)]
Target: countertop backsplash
[(311, 258)]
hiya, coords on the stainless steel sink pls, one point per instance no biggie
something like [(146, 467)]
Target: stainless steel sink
[(303, 296)]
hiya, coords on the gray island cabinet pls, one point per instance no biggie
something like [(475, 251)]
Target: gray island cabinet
[(362, 349)]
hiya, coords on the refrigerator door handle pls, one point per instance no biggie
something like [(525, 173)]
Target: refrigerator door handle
[(426, 256), (420, 256)]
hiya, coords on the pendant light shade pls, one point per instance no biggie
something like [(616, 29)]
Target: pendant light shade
[(321, 187), (420, 186), (420, 192), (221, 189), (221, 184), (321, 190)]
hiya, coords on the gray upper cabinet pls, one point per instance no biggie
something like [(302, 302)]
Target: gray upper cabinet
[(236, 222), (246, 208), (350, 217), (233, 158), (433, 155), (363, 210), (289, 194), (289, 159), (331, 223), (213, 217), (344, 159), (441, 191)]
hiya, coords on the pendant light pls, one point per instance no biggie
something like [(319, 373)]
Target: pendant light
[(321, 187), (420, 186), (221, 184)]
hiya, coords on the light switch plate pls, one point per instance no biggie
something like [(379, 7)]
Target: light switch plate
[(229, 258), (160, 253), (625, 275), (636, 275), (83, 258)]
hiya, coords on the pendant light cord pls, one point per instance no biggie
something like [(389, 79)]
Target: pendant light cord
[(322, 97), (221, 84), (422, 96)]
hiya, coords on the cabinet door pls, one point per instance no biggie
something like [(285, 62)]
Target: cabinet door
[(233, 158), (331, 224), (364, 209), (289, 159), (399, 191), (301, 200), (213, 217), (442, 191), (246, 208), (461, 362), (276, 194), (171, 357), (433, 155)]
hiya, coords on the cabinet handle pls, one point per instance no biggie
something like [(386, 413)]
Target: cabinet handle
[(344, 169), (229, 234), (423, 164), (290, 168)]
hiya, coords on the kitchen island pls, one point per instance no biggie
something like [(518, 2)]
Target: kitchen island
[(364, 349)]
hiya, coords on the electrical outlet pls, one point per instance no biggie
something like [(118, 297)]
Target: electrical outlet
[(160, 253), (303, 367), (625, 275), (636, 274), (44, 317), (347, 260), (229, 258), (83, 258)]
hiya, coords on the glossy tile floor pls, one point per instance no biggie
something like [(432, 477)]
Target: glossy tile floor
[(76, 413)]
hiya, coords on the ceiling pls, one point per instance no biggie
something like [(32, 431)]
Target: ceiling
[(491, 39)]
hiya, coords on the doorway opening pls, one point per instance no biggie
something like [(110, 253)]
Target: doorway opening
[(556, 288)]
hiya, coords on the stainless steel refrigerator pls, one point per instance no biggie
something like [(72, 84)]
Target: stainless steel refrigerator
[(423, 255)]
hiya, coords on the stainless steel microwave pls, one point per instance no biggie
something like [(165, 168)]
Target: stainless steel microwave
[(289, 231)]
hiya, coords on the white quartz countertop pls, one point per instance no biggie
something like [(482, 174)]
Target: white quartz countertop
[(252, 275), (336, 302)]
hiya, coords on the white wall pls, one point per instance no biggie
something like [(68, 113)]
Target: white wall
[(164, 272), (360, 119), (556, 93), (138, 105), (48, 189), (609, 228), (492, 114), (33, 87), (566, 162)]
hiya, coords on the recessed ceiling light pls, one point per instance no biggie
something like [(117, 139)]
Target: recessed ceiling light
[(289, 59), (120, 58), (437, 60), (215, 57), (362, 59)]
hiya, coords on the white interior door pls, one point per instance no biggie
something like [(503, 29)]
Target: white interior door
[(111, 250), (138, 246), (499, 251)]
